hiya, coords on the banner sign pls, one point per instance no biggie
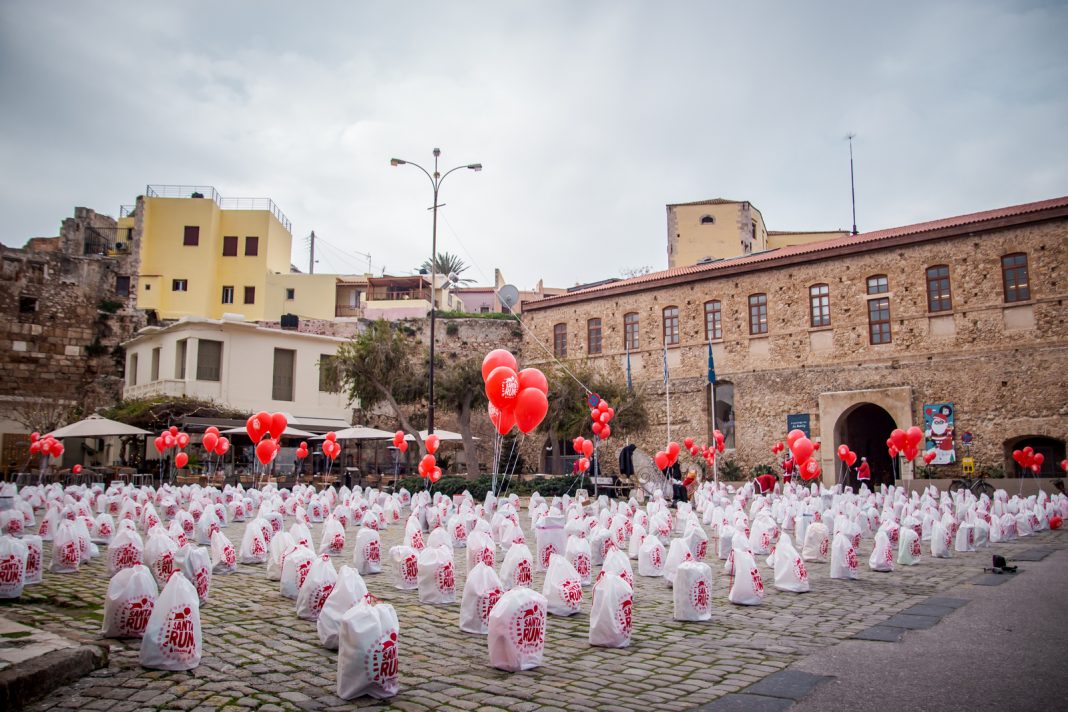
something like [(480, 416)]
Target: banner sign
[(800, 422), (938, 423)]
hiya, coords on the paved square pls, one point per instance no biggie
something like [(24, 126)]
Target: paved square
[(259, 655)]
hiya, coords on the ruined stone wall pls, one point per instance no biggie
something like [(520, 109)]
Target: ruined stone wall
[(1002, 364)]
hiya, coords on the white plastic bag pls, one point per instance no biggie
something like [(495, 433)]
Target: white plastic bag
[(692, 594), (368, 660), (965, 539), (295, 567), (131, 596), (172, 639), (790, 572), (34, 559), (562, 588), (909, 547), (677, 554), (651, 557), (817, 546), (844, 564), (480, 548), (66, 552), (367, 556), (941, 541), (550, 538), (482, 590), (610, 615), (406, 567), (697, 541), (223, 556), (516, 638), (518, 568), (13, 556), (578, 553), (276, 554), (253, 544), (159, 556), (125, 550), (195, 563), (333, 539), (437, 575), (318, 585), (349, 589), (882, 556), (747, 588), (617, 563)]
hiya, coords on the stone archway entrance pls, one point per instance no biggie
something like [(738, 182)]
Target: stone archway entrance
[(864, 429)]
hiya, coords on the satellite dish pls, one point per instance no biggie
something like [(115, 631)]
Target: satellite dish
[(509, 296)]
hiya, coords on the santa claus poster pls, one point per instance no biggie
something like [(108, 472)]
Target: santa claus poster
[(938, 430)]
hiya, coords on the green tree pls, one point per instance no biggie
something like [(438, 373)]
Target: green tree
[(569, 411), (458, 387), (381, 365), (449, 264)]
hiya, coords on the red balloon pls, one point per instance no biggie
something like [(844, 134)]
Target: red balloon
[(914, 435), (212, 429), (533, 378), (432, 442), (587, 448), (694, 451), (606, 432), (1038, 459), (302, 453), (57, 449), (35, 436), (398, 437), (843, 450), (911, 451), (435, 475), (611, 413), (530, 408), (1018, 456), (687, 443), (496, 358), (503, 421), (898, 439), (791, 437), (929, 456), (1029, 450), (502, 387), (662, 460), (158, 442), (403, 447), (1064, 465), (810, 470), (584, 464), (331, 436), (265, 450), (223, 447), (181, 460), (182, 439), (673, 449), (1036, 469), (597, 427), (802, 449), (893, 451), (173, 430), (35, 447), (169, 441), (210, 441), (1055, 522), (816, 445), (850, 458), (77, 469), (278, 425), (254, 428)]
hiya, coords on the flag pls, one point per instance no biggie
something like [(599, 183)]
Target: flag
[(711, 365), (630, 386), (665, 364)]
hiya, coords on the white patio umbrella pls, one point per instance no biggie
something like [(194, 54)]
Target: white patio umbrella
[(443, 435), (96, 426), (358, 432)]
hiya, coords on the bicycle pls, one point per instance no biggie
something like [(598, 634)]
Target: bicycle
[(977, 485)]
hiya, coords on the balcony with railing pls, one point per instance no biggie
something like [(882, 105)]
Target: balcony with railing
[(208, 192), (106, 240)]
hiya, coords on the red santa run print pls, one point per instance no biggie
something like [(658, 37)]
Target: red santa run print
[(11, 572), (546, 553), (758, 583), (177, 637), (417, 541), (229, 555), (14, 526), (486, 556), (527, 630), (33, 563), (165, 566), (133, 618), (302, 572), (203, 576), (851, 559), (571, 593), (700, 597), (371, 552), (318, 598), (486, 602), (799, 568), (623, 615), (582, 565), (69, 554), (446, 579), (702, 549), (523, 574), (915, 548), (126, 556), (337, 543), (656, 558), (938, 419), (383, 663), (410, 569)]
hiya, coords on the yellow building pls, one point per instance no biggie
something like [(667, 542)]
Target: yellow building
[(710, 230)]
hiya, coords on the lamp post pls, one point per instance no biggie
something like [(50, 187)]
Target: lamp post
[(436, 179)]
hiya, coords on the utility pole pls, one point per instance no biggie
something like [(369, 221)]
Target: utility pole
[(852, 188), (311, 256)]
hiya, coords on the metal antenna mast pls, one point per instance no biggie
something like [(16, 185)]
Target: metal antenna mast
[(852, 187)]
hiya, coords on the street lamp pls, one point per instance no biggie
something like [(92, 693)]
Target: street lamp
[(436, 179)]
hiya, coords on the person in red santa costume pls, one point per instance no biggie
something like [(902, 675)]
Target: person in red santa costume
[(788, 469), (863, 471)]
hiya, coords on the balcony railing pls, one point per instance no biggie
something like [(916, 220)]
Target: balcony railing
[(343, 310), (126, 211), (389, 294), (209, 192), (106, 240)]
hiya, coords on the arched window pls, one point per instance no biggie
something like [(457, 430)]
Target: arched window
[(560, 340), (713, 320), (630, 331), (758, 314), (708, 220), (671, 326), (819, 296), (938, 296), (1015, 277)]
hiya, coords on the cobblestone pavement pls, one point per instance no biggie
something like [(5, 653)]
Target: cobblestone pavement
[(259, 655)]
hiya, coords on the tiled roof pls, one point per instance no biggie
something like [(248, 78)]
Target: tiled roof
[(866, 240), (713, 201)]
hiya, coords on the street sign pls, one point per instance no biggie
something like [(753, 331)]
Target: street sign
[(967, 465), (798, 421)]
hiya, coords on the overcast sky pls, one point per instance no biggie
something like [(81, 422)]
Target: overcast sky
[(588, 116)]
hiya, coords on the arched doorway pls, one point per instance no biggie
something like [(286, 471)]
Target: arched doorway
[(864, 430), (1052, 450)]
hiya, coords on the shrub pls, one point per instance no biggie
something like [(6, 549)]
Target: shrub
[(762, 470), (730, 471)]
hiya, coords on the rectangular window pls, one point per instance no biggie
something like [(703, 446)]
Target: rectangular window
[(879, 320), (758, 314), (122, 285), (155, 364), (713, 320), (179, 285), (27, 305), (228, 295), (291, 293), (593, 336), (1015, 277), (630, 331), (131, 371), (180, 349), (250, 295), (560, 340), (328, 380), (252, 246), (209, 360), (877, 284), (230, 246), (938, 297), (191, 237), (820, 304), (282, 389), (671, 326)]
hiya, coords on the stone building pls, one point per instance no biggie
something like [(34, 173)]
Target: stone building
[(66, 308), (856, 334)]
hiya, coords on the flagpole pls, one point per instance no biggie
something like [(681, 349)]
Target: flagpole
[(712, 410)]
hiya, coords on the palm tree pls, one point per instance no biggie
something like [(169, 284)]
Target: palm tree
[(448, 264)]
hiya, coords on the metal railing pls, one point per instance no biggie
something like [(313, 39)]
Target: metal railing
[(208, 192), (126, 211), (105, 240)]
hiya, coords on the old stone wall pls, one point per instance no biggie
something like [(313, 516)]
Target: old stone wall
[(1002, 364)]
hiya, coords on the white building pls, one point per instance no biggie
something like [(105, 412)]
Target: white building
[(238, 364)]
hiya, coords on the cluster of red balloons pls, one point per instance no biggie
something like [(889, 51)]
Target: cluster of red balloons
[(1028, 459), (428, 466), (846, 455), (778, 447), (802, 448), (399, 442), (214, 442), (601, 416), (47, 445), (519, 398), (302, 451), (171, 439), (259, 427), (585, 448), (668, 456), (929, 456), (906, 442), (331, 447), (708, 452)]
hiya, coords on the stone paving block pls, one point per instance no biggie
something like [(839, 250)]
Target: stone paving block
[(880, 633), (923, 609), (789, 684), (946, 602), (747, 703), (1032, 555), (991, 579), (911, 622)]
